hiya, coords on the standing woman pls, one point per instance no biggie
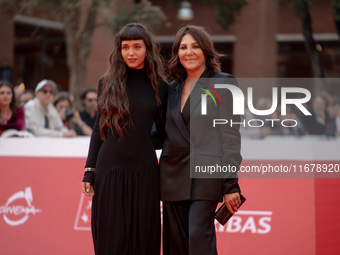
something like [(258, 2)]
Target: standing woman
[(189, 203), (122, 172), (11, 117)]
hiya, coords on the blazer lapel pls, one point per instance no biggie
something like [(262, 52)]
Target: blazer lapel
[(195, 95), (175, 104)]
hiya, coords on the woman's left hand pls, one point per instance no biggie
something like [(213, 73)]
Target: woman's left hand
[(232, 201), (87, 189)]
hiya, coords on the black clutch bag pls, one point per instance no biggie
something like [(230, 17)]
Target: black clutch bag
[(222, 215)]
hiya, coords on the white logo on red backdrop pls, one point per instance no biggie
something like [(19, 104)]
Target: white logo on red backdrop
[(245, 221), (15, 214), (83, 217)]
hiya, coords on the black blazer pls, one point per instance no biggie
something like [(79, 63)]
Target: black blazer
[(201, 145)]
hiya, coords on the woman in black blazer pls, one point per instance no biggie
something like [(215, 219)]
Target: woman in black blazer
[(189, 201)]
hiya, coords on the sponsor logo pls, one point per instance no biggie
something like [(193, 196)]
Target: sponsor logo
[(14, 214), (245, 221), (83, 217)]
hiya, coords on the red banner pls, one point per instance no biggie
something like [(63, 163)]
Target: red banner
[(42, 211)]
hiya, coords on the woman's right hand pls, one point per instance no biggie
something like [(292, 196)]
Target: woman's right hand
[(232, 201), (87, 189), (76, 119)]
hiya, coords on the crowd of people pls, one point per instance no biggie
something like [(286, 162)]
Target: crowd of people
[(45, 112), (323, 121), (49, 112)]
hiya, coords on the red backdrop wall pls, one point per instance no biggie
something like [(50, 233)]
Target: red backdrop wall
[(42, 210)]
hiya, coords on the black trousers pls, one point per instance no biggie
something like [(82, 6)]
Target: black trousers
[(188, 228)]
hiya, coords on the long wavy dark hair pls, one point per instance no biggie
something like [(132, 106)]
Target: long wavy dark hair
[(113, 99), (12, 105), (176, 69)]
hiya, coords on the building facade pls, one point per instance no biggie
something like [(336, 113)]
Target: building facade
[(265, 41)]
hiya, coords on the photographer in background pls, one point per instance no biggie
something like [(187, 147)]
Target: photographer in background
[(25, 96), (70, 117)]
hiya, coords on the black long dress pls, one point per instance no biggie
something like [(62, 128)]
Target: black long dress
[(125, 207)]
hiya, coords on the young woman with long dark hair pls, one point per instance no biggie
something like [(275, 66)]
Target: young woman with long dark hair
[(122, 172)]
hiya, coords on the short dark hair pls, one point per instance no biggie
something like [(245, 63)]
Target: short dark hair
[(325, 96), (84, 94), (61, 96), (336, 100), (28, 91), (177, 71)]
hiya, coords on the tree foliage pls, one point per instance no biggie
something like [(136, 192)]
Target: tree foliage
[(336, 15), (143, 12), (302, 10), (227, 10), (78, 35)]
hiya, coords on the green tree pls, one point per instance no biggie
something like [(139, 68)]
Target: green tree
[(78, 35), (142, 12), (226, 11), (301, 9), (336, 14)]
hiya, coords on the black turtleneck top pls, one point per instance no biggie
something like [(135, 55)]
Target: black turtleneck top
[(138, 145)]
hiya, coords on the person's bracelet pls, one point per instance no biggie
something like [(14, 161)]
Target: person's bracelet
[(82, 125), (87, 169), (89, 176)]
